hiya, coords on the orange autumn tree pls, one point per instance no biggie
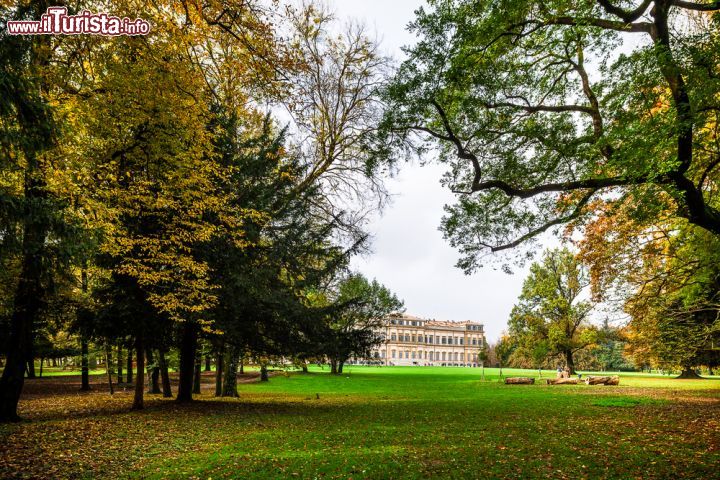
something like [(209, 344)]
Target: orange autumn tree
[(665, 277)]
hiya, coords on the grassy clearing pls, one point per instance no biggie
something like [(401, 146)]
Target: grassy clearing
[(389, 422), (64, 372)]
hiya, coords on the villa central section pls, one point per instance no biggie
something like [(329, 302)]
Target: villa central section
[(410, 340)]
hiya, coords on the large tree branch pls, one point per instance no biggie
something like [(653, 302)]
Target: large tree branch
[(644, 27), (462, 152), (542, 108), (569, 186), (701, 7), (626, 16), (707, 171), (693, 204), (577, 211), (517, 30)]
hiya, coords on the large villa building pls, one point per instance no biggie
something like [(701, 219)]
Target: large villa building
[(417, 341)]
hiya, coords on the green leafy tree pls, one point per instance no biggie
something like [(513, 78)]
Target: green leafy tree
[(356, 326), (483, 357), (503, 350), (532, 134), (550, 318), (265, 263)]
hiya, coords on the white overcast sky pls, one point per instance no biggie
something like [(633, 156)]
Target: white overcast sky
[(409, 254)]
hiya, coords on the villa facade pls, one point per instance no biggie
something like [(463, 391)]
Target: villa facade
[(411, 340)]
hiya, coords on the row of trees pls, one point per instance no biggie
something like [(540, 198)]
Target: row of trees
[(149, 201), (552, 323)]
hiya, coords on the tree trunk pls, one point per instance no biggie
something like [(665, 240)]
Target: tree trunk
[(119, 363), (108, 366), (218, 372), (242, 365), (341, 364), (231, 363), (333, 366), (31, 368), (84, 364), (562, 381), (188, 350), (597, 380), (688, 373), (164, 374), (197, 377), (519, 381), (129, 365), (29, 293), (41, 365), (207, 363), (304, 367), (153, 373), (570, 362), (139, 378), (264, 372)]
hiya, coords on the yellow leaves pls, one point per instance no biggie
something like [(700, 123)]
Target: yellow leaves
[(662, 102)]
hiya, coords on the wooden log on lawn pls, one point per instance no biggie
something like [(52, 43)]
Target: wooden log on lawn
[(562, 381), (592, 380), (519, 381), (614, 380)]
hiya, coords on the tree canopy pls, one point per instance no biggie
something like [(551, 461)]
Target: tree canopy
[(541, 109), (551, 317)]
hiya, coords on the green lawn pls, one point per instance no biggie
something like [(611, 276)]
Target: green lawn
[(382, 422), (63, 372)]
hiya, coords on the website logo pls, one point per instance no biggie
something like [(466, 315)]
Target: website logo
[(56, 21)]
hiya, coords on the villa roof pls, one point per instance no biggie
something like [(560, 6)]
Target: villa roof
[(433, 322)]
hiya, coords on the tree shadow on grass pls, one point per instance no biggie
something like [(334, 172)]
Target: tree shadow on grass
[(51, 400)]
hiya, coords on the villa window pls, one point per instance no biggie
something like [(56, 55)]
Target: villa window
[(393, 353)]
